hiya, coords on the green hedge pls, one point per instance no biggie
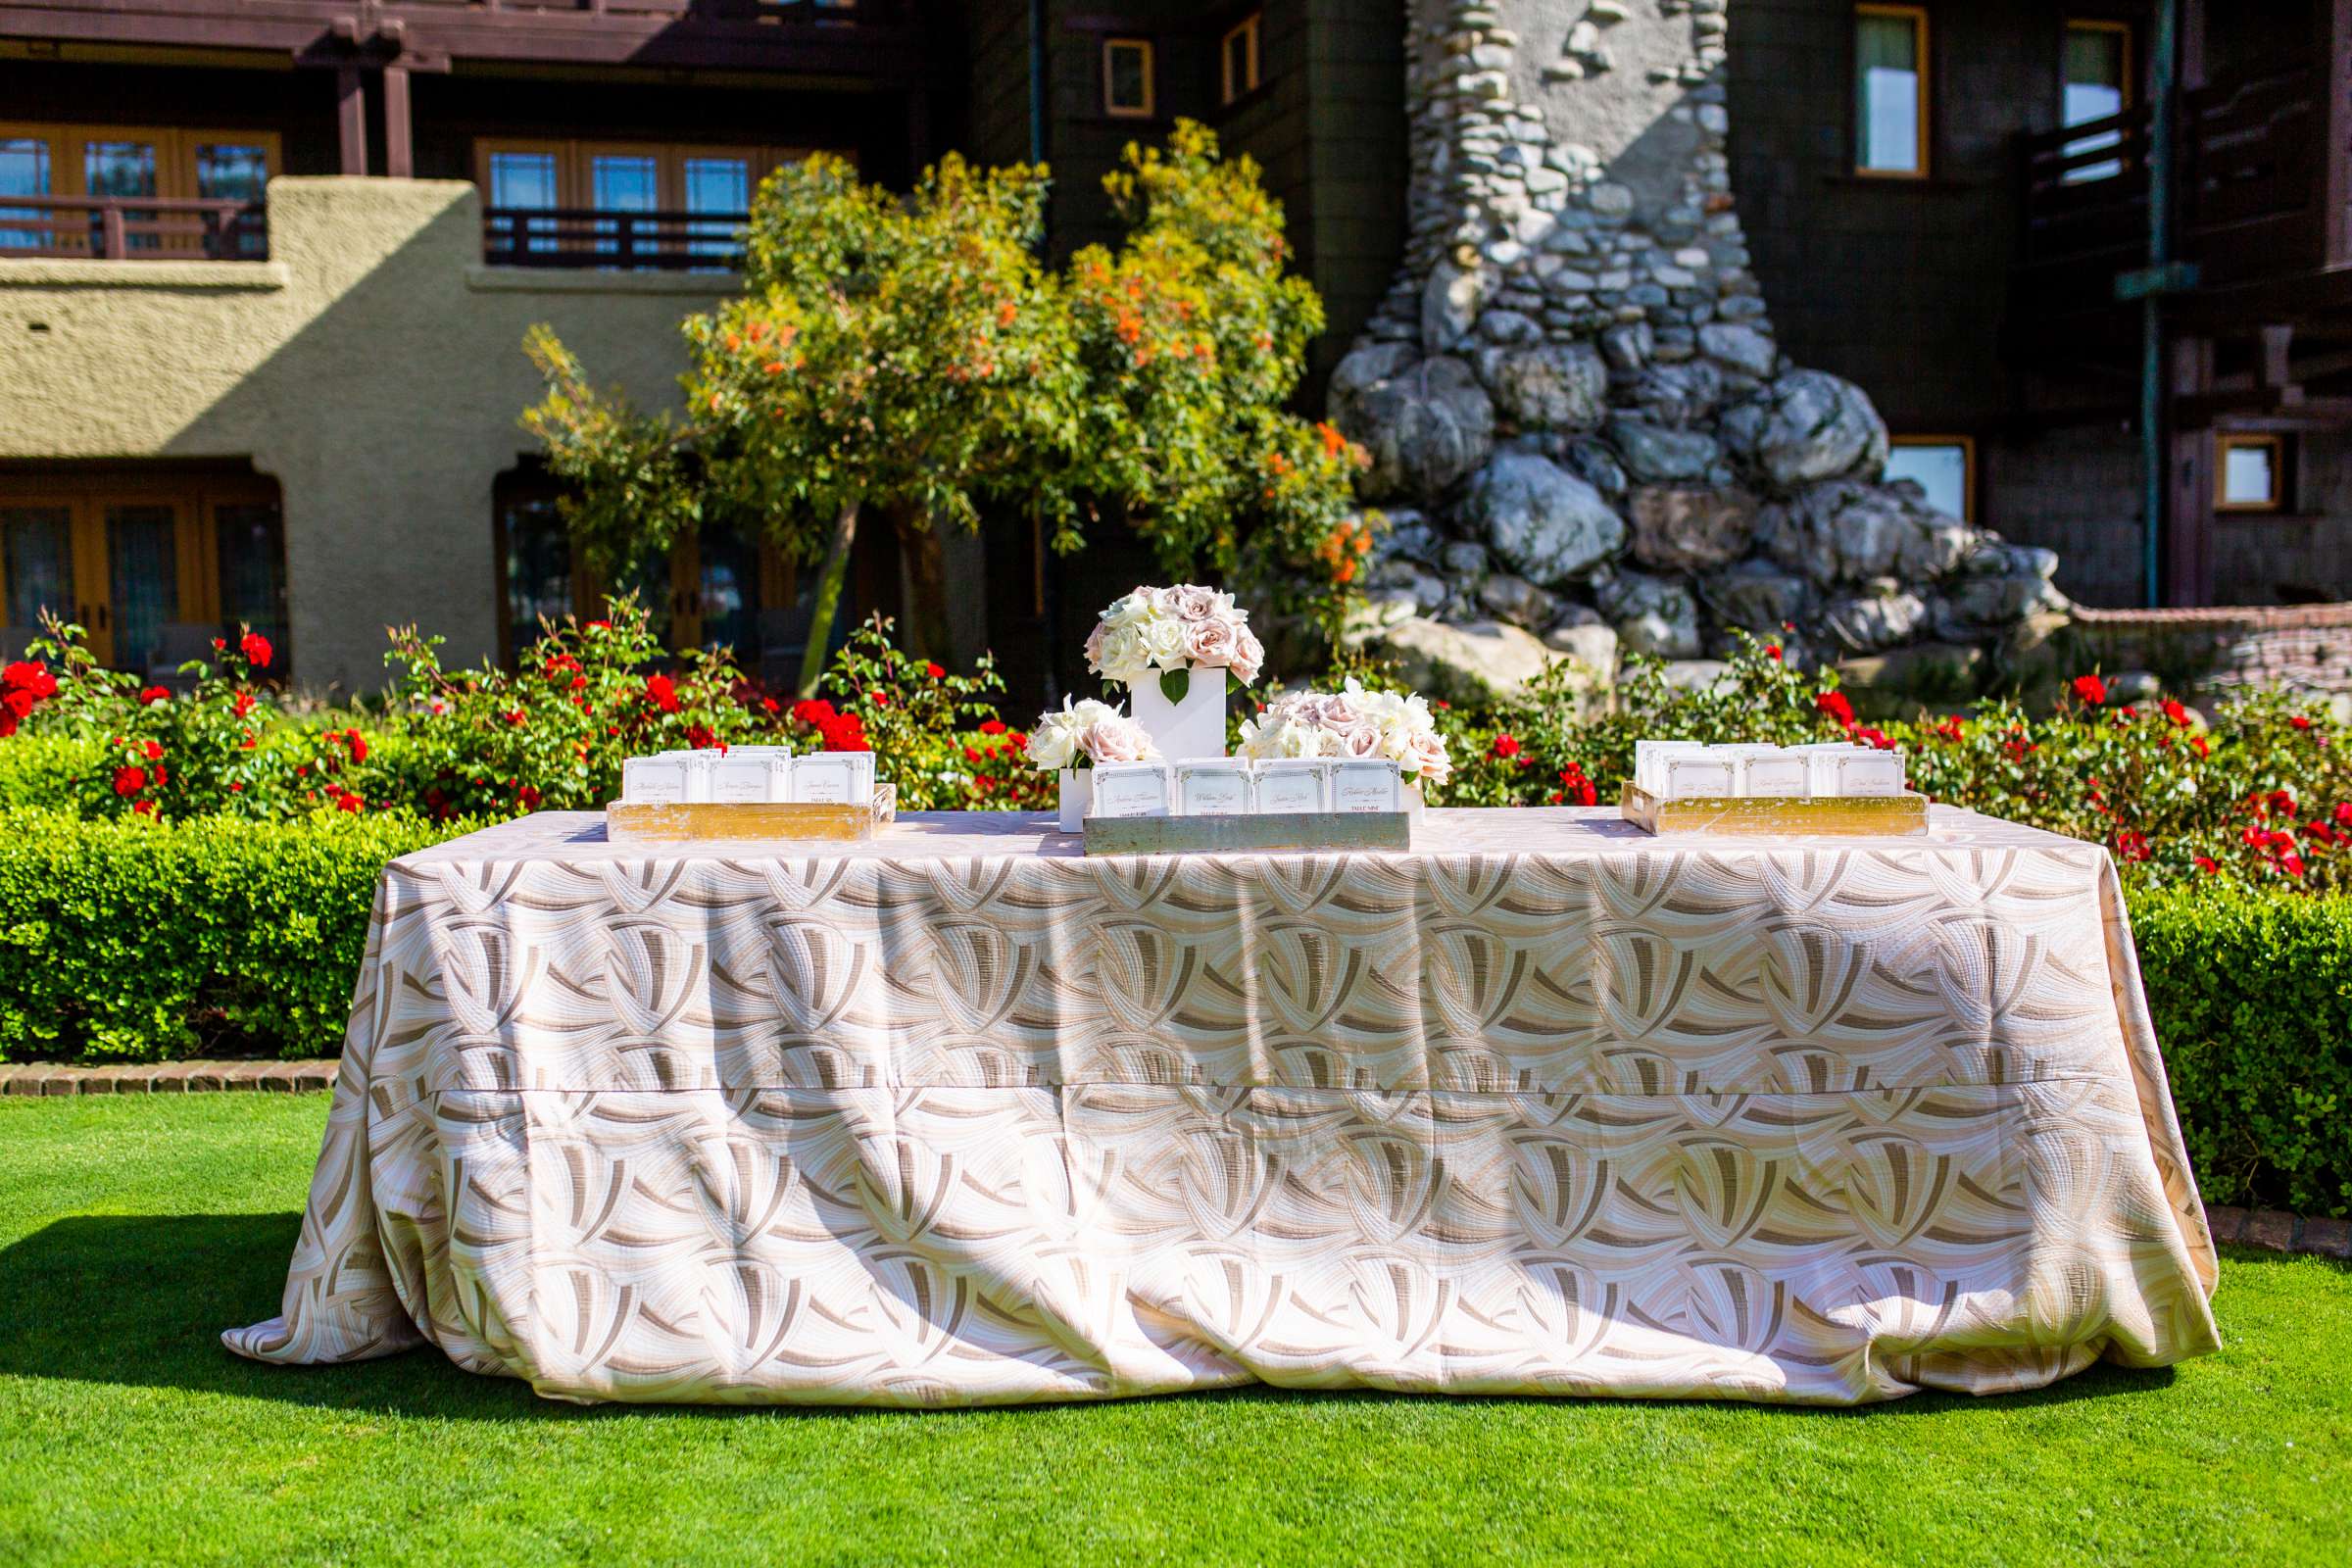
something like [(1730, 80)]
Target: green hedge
[(2252, 996), (134, 941), (130, 941)]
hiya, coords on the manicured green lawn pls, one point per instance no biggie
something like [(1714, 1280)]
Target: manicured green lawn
[(131, 1231)]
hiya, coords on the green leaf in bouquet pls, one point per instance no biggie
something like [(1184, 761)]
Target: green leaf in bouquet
[(1174, 683)]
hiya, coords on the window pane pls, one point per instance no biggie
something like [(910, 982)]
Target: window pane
[(528, 180), (252, 544), (731, 581), (1130, 76), (2249, 476), (119, 167), (722, 186), (24, 172), (2096, 75), (228, 171), (143, 570), (624, 183), (1942, 471), (36, 552), (538, 567), (1886, 94), (1241, 74)]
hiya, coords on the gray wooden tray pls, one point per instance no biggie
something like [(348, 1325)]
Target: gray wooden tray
[(1206, 835)]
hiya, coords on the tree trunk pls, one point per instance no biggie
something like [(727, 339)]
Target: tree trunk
[(927, 632), (828, 599)]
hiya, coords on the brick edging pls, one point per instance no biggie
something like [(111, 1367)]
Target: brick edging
[(166, 1077), (2275, 1230)]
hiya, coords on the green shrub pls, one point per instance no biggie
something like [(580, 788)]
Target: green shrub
[(2252, 998), (136, 940)]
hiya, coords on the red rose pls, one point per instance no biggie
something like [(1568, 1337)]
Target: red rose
[(2344, 812), (244, 704), (2291, 864), (529, 797), (1836, 705), (350, 803), (2176, 713), (155, 751), (129, 781), (359, 746), (149, 696), (994, 727), (933, 670), (2299, 720), (1771, 651), (662, 693), (813, 712), (142, 808), (1506, 747), (2092, 690), (256, 649), (2131, 846), (18, 702), (2208, 864)]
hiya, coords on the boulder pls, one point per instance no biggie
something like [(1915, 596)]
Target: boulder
[(1924, 673), (1655, 452), (1629, 345), (1463, 559), (1425, 425), (1741, 348), (1696, 674), (1805, 428), (1594, 463), (1477, 662), (1427, 590), (1681, 528), (1867, 622), (2040, 651), (1677, 395), (1843, 531), (1561, 386), (1972, 607), (1540, 521), (1406, 532), (1451, 304), (1651, 615), (1516, 599), (1758, 596), (1588, 640)]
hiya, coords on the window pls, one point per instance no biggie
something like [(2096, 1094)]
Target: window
[(1127, 78), (126, 161), (1239, 54), (1943, 465), (2097, 87), (153, 563), (1890, 90), (683, 198), (2250, 473)]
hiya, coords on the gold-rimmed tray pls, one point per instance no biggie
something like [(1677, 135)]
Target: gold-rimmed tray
[(747, 821), (1777, 816)]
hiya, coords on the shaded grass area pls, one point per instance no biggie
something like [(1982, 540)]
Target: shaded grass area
[(132, 1230)]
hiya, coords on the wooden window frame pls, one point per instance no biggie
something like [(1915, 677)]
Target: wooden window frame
[(1249, 29), (2223, 445), (575, 164), (175, 151), (2130, 82), (1923, 38), (1968, 457), (1150, 108)]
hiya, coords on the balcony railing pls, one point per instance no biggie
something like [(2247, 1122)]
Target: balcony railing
[(2249, 187), (585, 237), (118, 228)]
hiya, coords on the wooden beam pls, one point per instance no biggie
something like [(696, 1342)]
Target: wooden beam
[(399, 144), (2273, 376), (351, 119), (2334, 19), (2189, 496)]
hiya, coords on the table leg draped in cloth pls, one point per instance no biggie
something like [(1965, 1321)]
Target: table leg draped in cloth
[(1537, 1109)]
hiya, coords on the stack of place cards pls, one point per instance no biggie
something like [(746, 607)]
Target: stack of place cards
[(1685, 770), (1132, 789), (1235, 787), (749, 775)]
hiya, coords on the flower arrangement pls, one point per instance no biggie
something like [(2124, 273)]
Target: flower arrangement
[(1173, 630), (1081, 734), (1353, 723)]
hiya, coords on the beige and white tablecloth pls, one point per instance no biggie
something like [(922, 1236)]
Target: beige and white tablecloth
[(959, 1117)]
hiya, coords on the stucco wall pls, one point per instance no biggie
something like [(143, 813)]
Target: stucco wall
[(372, 365)]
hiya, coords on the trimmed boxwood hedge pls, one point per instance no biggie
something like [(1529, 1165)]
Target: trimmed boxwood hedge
[(131, 941), (134, 941)]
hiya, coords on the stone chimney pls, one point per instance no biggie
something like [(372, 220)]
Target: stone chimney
[(1583, 428)]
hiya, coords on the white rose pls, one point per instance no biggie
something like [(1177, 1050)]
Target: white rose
[(1302, 740), (1117, 739), (1163, 642), (1425, 755), (1124, 658), (1052, 745)]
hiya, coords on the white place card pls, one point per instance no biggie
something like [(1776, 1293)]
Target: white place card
[(1871, 772), (1649, 761), (697, 767), (833, 778), (1702, 773), (1212, 787), (1132, 789), (653, 781), (1769, 771), (1366, 785), (1294, 785), (743, 776)]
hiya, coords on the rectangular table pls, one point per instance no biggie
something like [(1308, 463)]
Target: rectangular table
[(960, 1116)]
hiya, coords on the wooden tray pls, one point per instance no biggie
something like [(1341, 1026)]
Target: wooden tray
[(1778, 817), (703, 821), (1271, 830)]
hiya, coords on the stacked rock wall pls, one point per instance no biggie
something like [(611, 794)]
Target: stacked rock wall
[(1583, 431)]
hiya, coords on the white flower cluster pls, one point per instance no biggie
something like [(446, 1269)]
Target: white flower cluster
[(1085, 733), (1169, 628), (1353, 723)]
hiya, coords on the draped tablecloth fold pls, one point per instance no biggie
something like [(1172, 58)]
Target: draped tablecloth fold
[(962, 1117)]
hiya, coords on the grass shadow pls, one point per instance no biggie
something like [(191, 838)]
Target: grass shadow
[(140, 1301)]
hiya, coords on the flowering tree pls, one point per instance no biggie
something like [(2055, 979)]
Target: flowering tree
[(912, 355)]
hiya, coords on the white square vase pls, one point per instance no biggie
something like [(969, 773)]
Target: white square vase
[(1074, 790), (1193, 727)]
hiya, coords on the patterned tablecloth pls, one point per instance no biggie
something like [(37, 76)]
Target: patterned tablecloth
[(1544, 1106)]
